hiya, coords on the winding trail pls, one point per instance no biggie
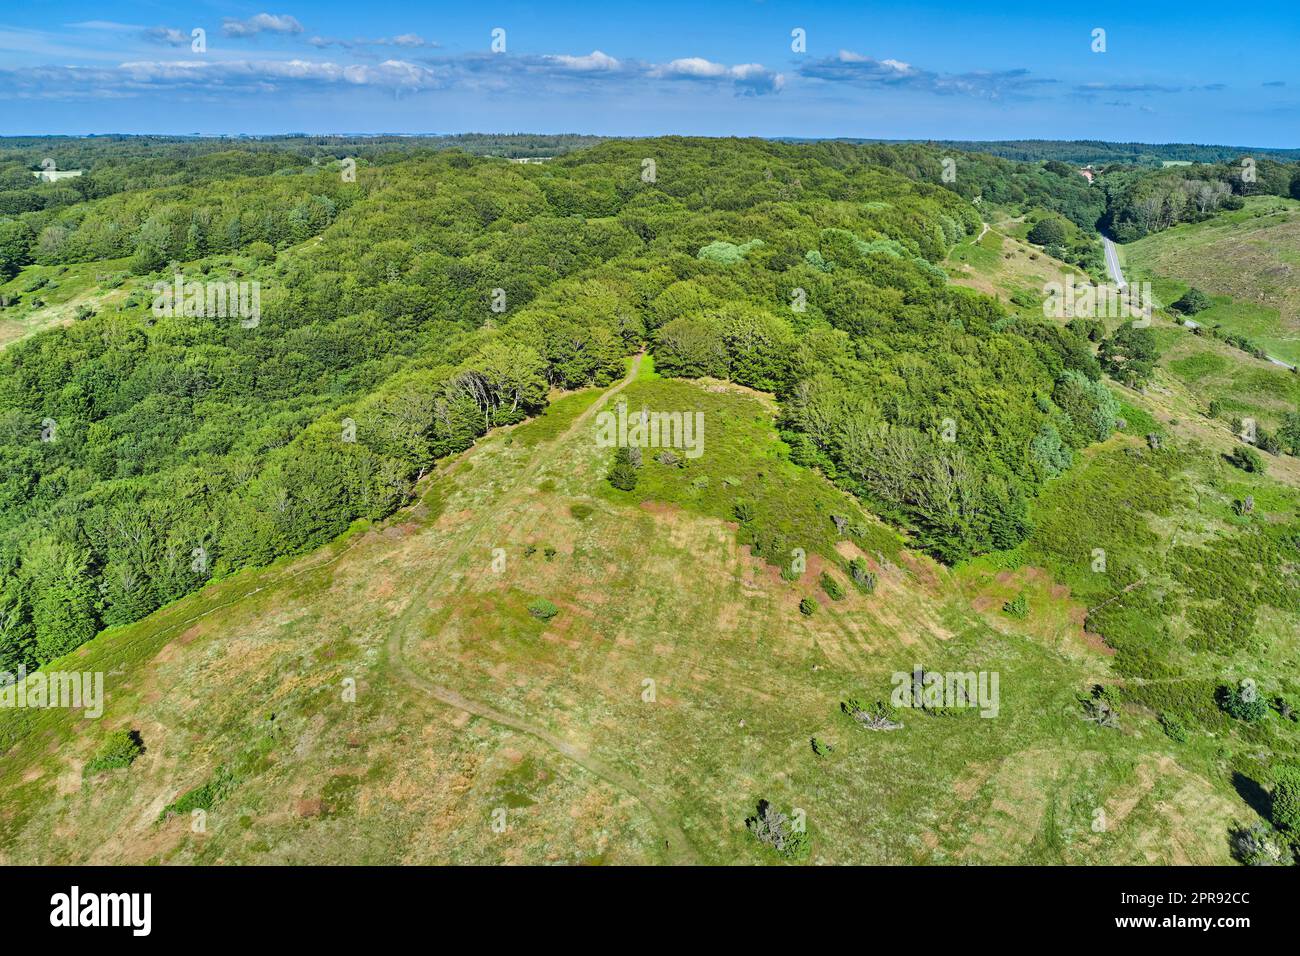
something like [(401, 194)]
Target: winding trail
[(677, 846)]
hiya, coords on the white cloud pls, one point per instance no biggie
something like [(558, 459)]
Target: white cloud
[(595, 60), (519, 75), (168, 35), (261, 23), (749, 78)]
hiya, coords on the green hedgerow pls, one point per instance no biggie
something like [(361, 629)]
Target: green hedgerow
[(807, 606), (833, 588)]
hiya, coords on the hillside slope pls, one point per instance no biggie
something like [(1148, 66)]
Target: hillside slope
[(1247, 260), (466, 704)]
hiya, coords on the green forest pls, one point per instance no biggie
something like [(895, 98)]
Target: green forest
[(435, 294)]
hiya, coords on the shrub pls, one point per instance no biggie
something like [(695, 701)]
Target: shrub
[(877, 716), (863, 577), (204, 797), (744, 511), (1286, 800), (807, 606), (543, 609), (261, 251), (1287, 707), (1129, 355), (774, 829), (1048, 232), (1174, 727), (1258, 845), (580, 510), (1243, 703), (1247, 459), (119, 750), (820, 747), (549, 552), (1268, 442), (1193, 301), (623, 477), (833, 588), (1017, 607), (1100, 708)]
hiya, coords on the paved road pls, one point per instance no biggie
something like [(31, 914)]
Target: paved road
[(1112, 264)]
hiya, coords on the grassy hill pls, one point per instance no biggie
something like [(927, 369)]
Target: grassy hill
[(432, 618), (466, 704), (1247, 260)]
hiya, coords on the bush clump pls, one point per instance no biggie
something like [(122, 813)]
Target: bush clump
[(1247, 459), (774, 829), (1286, 801), (1243, 703), (1017, 607), (543, 609), (1258, 845), (119, 750), (625, 471), (1193, 301), (1174, 727), (204, 797), (877, 716), (862, 576)]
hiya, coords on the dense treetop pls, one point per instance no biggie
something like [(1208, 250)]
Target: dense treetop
[(439, 295)]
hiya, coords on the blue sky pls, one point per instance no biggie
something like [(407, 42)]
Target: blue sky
[(1191, 71)]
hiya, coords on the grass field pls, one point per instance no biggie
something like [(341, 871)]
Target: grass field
[(1247, 260), (676, 686), (1004, 265), (45, 296)]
